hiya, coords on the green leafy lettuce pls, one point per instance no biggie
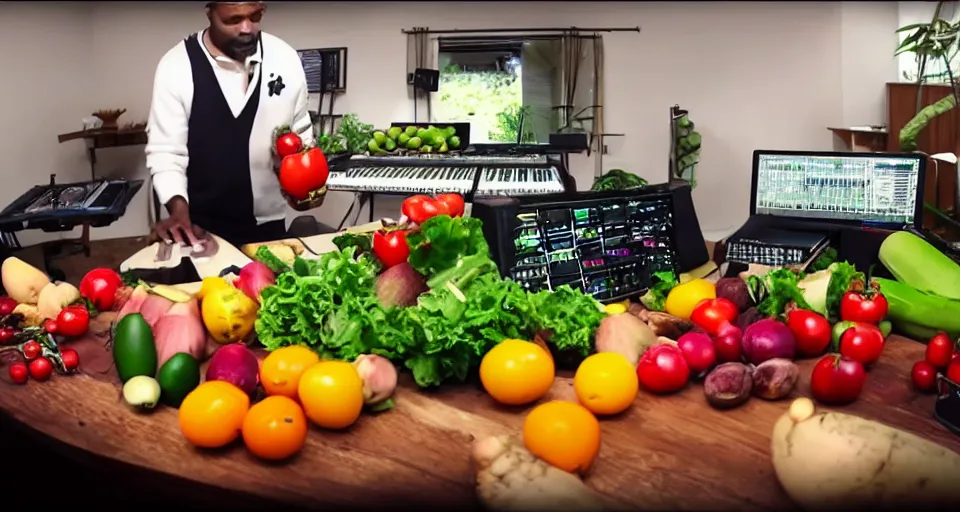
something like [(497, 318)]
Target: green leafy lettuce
[(819, 291), (330, 305), (656, 296), (265, 256)]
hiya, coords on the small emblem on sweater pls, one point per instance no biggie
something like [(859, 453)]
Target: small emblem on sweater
[(275, 86)]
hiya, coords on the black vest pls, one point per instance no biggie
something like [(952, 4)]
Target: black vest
[(218, 144)]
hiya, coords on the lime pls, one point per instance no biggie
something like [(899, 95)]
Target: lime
[(178, 377)]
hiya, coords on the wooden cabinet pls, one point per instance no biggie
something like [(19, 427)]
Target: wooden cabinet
[(942, 135)]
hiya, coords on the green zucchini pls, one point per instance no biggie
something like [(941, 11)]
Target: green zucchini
[(914, 262), (918, 332), (912, 307), (909, 132)]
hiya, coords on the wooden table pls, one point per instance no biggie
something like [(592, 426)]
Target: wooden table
[(672, 452)]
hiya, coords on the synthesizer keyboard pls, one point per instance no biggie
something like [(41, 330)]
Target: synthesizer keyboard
[(515, 175)]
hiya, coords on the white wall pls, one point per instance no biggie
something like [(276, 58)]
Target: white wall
[(753, 75)]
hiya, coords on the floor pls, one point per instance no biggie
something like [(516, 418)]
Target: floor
[(103, 253)]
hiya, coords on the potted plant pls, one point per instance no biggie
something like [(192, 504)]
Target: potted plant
[(934, 42)]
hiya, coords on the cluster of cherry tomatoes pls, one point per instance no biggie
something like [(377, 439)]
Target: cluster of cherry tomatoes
[(40, 359), (942, 355)]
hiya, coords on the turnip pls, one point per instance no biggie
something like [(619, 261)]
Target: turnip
[(236, 364), (728, 385), (775, 378), (399, 286), (768, 339)]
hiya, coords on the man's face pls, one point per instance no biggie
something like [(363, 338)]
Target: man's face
[(235, 27)]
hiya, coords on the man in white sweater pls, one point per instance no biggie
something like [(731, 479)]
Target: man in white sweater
[(217, 97)]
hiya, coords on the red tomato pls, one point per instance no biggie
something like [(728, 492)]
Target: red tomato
[(862, 343), (288, 144), (302, 173), (18, 373), (7, 305), (940, 350), (837, 379), (953, 371), (70, 359), (856, 307), (31, 350), (50, 326), (73, 321), (391, 247), (100, 286), (7, 334), (924, 376), (811, 330), (711, 314), (453, 202), (40, 369), (662, 369), (698, 351), (420, 208), (728, 343)]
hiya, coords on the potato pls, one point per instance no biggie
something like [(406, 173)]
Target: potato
[(55, 296), (833, 460), (626, 335), (22, 281)]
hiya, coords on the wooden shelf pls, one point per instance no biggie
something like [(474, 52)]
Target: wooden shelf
[(862, 139), (100, 139)]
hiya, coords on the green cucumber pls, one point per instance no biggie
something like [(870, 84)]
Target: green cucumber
[(910, 306), (134, 351), (178, 377)]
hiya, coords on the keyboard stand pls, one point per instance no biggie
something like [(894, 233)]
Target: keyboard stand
[(359, 200)]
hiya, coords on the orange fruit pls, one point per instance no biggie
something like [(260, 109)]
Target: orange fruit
[(281, 370), (517, 372), (275, 428), (606, 383), (563, 434), (332, 394), (212, 414)]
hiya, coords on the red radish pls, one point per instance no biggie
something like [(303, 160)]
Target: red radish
[(254, 277), (837, 379), (662, 369), (924, 376), (18, 372), (236, 364), (727, 344), (698, 351), (50, 326), (31, 350), (41, 369), (811, 330), (70, 359)]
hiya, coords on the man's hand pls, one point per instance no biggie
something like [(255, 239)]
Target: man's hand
[(177, 228)]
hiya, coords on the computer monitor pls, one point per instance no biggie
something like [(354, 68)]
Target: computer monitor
[(882, 189)]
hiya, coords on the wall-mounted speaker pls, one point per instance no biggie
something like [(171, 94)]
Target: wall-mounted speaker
[(426, 79)]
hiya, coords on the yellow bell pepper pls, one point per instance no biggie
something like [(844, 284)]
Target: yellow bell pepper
[(683, 298), (228, 314)]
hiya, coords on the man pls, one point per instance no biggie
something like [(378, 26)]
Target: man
[(217, 97)]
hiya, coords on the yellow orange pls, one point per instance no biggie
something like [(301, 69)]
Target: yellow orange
[(275, 428), (606, 383), (212, 414), (517, 372), (683, 298), (281, 370), (332, 394), (563, 434)]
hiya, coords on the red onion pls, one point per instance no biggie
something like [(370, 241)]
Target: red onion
[(254, 276), (768, 339)]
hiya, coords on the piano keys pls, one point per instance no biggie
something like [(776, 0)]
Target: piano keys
[(517, 175)]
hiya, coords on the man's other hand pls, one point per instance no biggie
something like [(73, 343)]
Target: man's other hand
[(177, 228)]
